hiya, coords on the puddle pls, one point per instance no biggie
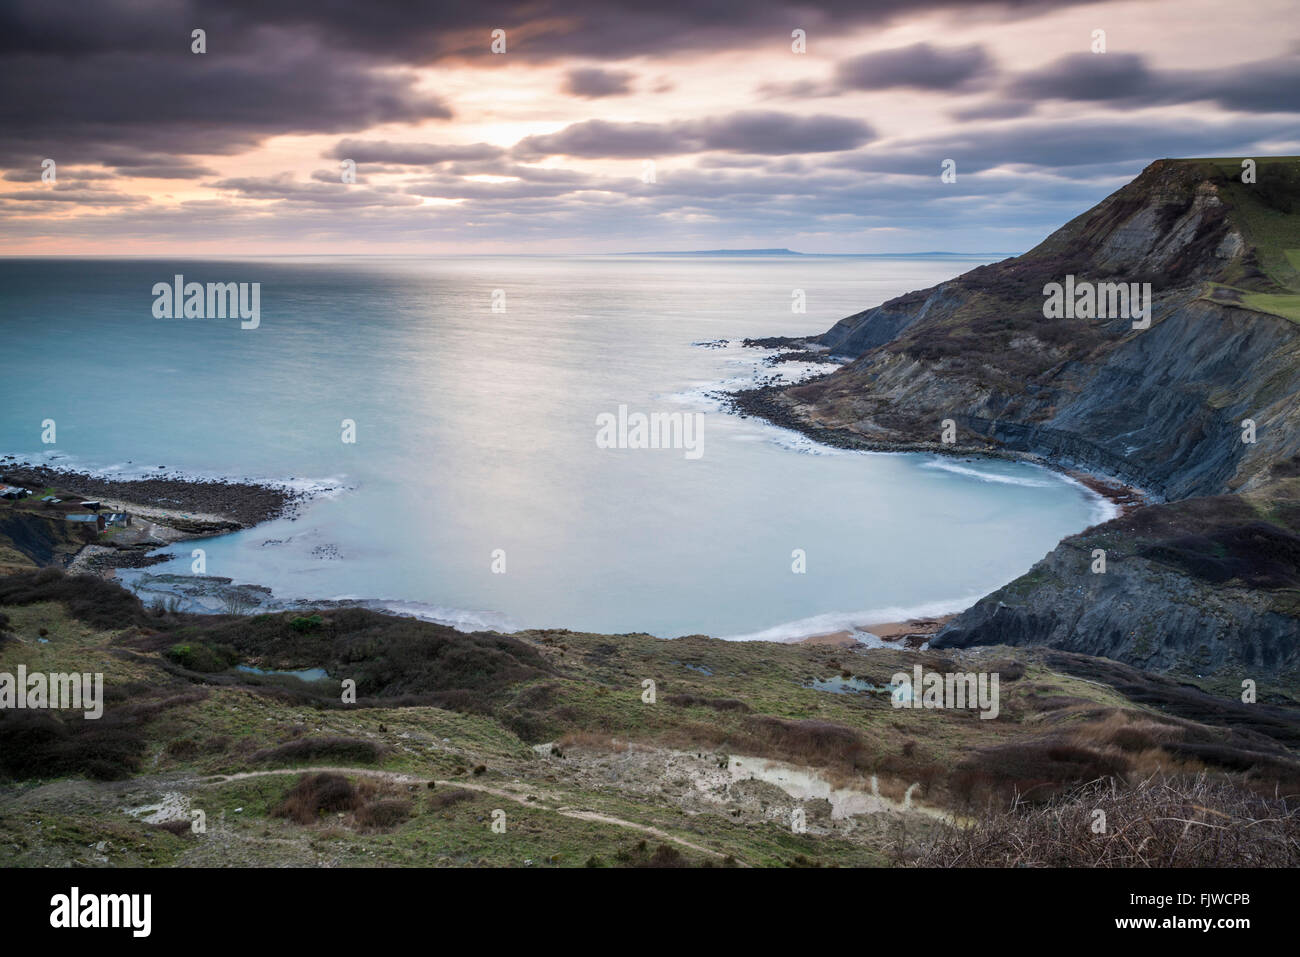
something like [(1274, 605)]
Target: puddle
[(307, 674)]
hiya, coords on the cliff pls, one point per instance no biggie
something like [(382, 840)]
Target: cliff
[(1205, 587)]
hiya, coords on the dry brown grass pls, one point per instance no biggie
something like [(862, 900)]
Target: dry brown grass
[(1161, 821)]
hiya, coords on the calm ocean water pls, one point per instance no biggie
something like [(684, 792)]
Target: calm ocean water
[(476, 431)]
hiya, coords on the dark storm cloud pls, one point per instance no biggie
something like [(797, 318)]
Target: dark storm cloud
[(147, 107), (119, 75), (593, 82), (113, 86), (594, 29), (399, 31), (746, 132), (919, 67)]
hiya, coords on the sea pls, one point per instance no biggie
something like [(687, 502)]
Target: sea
[(445, 415)]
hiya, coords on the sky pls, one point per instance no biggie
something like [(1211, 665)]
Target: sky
[(820, 126)]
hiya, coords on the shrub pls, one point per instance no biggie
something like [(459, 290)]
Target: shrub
[(446, 799), (182, 748), (52, 743), (383, 814), (95, 601), (317, 794), (199, 656)]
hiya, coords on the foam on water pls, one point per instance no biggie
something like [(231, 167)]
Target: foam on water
[(984, 475), (832, 622), (329, 487)]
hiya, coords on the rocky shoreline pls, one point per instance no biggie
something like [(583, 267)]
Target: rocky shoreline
[(167, 509), (186, 500)]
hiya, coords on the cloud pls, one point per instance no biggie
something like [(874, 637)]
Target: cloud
[(920, 67), (286, 189), (398, 32), (1087, 76), (116, 93), (1124, 81), (745, 132), (592, 82), (411, 154), (70, 193), (131, 108)]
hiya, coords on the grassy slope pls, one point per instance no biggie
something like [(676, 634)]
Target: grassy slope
[(596, 798), (1265, 212)]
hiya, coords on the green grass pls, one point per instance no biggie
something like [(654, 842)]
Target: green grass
[(1286, 305)]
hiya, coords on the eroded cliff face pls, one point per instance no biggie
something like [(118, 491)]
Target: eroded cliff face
[(1164, 408), (1161, 408), (1205, 586)]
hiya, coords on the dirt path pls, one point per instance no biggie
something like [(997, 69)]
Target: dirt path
[(397, 777)]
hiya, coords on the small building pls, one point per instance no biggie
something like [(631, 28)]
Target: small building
[(93, 506), (13, 492)]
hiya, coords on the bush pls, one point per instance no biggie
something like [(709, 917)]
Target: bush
[(317, 794), (198, 656), (182, 749), (95, 601), (384, 814), (446, 799), (46, 744), (303, 625)]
